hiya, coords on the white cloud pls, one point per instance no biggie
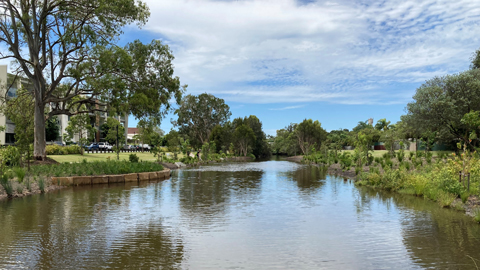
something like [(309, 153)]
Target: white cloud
[(349, 52), (287, 108)]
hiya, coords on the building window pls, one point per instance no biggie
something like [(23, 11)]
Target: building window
[(9, 137)]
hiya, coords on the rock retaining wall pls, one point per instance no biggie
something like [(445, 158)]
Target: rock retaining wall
[(105, 179)]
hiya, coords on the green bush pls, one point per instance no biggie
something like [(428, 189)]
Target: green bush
[(445, 199), (6, 184), (251, 156), (54, 149), (410, 155), (11, 156), (20, 173), (133, 158), (476, 215)]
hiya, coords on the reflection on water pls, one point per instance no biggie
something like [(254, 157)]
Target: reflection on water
[(258, 215)]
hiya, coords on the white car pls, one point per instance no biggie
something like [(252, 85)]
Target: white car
[(104, 146)]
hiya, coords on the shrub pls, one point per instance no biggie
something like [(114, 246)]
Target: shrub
[(6, 184), (11, 156), (252, 156), (410, 155), (54, 149), (445, 199), (476, 215), (133, 158), (20, 173), (19, 189), (386, 156), (41, 184)]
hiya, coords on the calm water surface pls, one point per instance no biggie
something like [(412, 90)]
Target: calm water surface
[(262, 215)]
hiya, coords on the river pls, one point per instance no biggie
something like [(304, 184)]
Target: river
[(257, 215)]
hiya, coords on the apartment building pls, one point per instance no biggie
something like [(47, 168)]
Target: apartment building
[(9, 85)]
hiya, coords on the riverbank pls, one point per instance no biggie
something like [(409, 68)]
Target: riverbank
[(434, 181), (177, 165)]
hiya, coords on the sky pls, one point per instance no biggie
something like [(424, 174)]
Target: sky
[(338, 61)]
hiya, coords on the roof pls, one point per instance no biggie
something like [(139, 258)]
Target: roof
[(132, 130)]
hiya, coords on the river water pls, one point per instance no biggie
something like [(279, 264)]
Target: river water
[(259, 215)]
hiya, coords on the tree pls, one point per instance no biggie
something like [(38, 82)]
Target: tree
[(198, 115), (309, 133), (52, 129), (80, 125), (20, 111), (244, 137), (440, 103), (286, 141), (260, 147), (113, 129), (66, 48), (383, 124)]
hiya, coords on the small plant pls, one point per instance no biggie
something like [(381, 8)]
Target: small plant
[(410, 155), (19, 189), (27, 185), (20, 173), (6, 184), (133, 158), (464, 196), (445, 199), (41, 184), (407, 165), (476, 215)]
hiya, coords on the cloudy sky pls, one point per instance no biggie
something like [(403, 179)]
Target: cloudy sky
[(338, 62)]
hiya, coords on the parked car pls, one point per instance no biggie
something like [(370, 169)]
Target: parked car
[(108, 146), (144, 147), (127, 147), (104, 146), (93, 146)]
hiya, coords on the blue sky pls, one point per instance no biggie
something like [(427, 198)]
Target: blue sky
[(338, 62)]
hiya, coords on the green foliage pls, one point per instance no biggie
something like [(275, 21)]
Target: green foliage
[(54, 149), (11, 156), (198, 115), (20, 173), (445, 199), (95, 168), (133, 158), (286, 142), (476, 215), (20, 111), (244, 138), (6, 184), (79, 125), (52, 129), (309, 134), (41, 184), (82, 59), (109, 131)]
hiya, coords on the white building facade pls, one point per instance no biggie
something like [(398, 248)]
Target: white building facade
[(8, 88)]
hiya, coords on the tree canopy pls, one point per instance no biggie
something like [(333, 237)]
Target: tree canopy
[(67, 49), (198, 115)]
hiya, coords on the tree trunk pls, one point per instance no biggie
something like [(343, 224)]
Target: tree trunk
[(39, 131)]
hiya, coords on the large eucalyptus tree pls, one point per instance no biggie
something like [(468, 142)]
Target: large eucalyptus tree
[(67, 49)]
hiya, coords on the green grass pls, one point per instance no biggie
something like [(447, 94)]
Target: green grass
[(146, 156), (93, 168), (380, 153)]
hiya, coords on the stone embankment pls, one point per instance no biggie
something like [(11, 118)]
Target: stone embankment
[(106, 179)]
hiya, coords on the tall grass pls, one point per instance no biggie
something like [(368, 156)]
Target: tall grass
[(20, 173), (95, 168), (6, 184)]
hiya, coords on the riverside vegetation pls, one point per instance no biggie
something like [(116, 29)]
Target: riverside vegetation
[(452, 180), (17, 181)]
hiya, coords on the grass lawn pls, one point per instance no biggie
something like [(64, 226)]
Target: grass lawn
[(147, 156), (379, 153)]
